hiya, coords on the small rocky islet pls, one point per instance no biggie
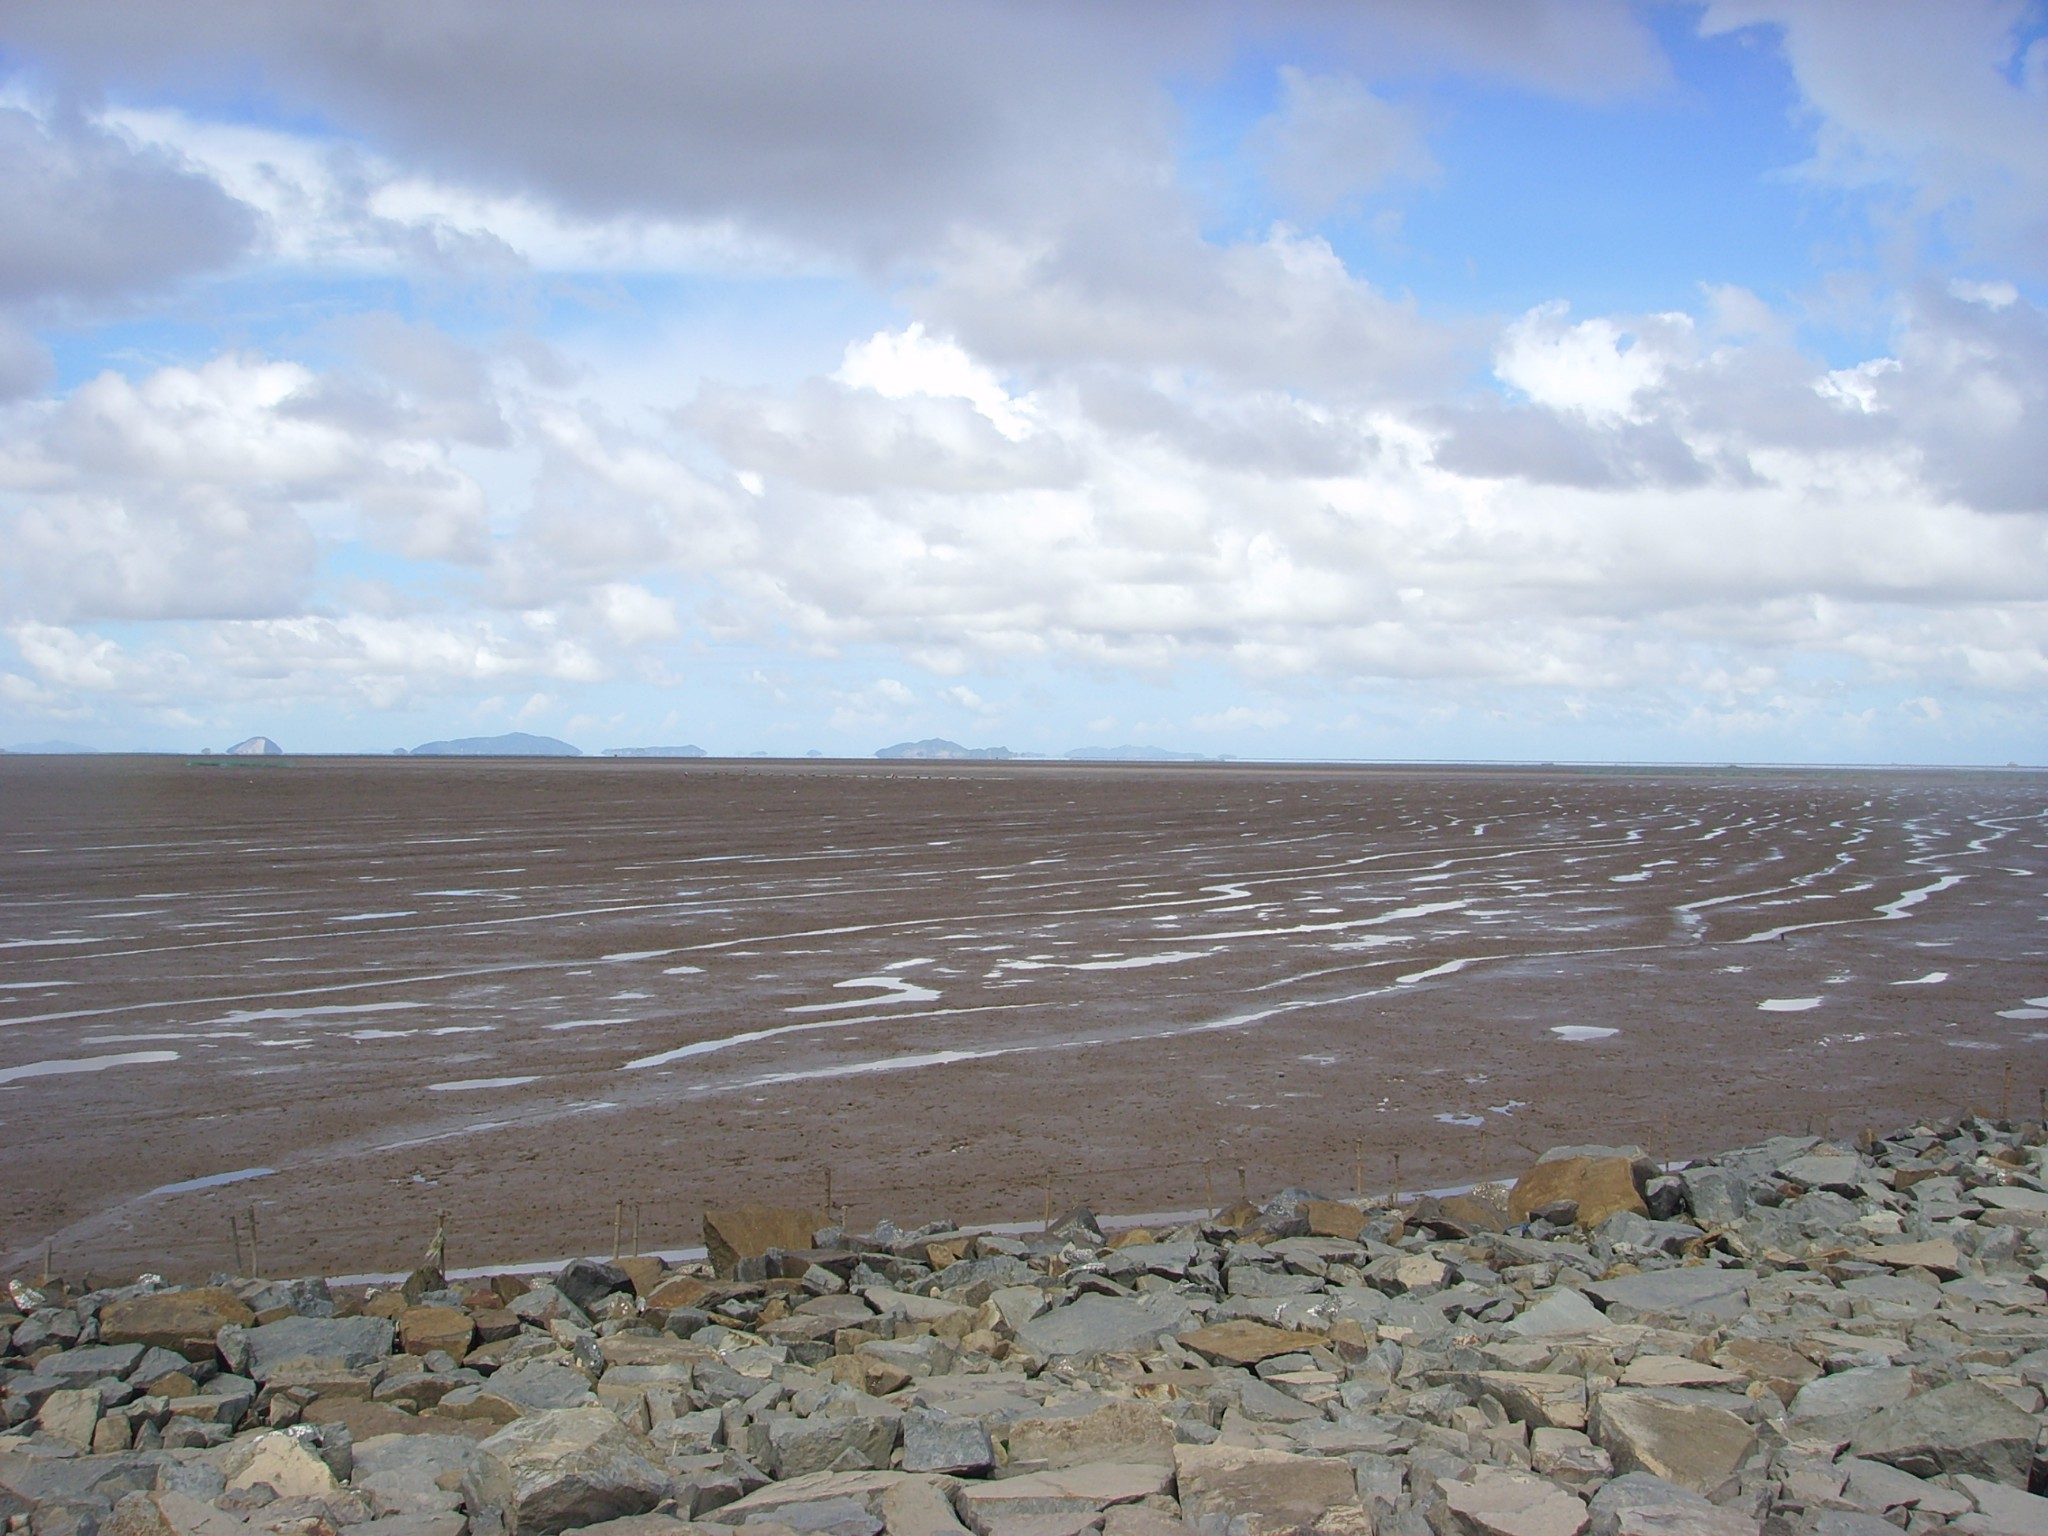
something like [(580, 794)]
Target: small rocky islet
[(1799, 1336)]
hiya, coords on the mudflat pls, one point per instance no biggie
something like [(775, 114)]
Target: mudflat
[(355, 993)]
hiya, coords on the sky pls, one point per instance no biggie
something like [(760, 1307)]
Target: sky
[(1328, 379)]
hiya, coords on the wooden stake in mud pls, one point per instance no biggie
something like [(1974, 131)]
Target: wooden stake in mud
[(1397, 1178), (1482, 1151), (1209, 1179), (1047, 1225), (636, 1229), (618, 1226), (1358, 1169), (1244, 1186), (2005, 1095), (828, 1191), (235, 1238), (437, 1250), (252, 1241), (48, 1246)]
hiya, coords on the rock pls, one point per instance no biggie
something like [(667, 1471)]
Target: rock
[(1639, 1504), (940, 1442), (588, 1281), (1677, 1371), (1782, 1370), (1501, 1503), (183, 1322), (1695, 1446), (169, 1514), (1243, 1342), (556, 1471), (1568, 1457), (530, 1386), (822, 1517), (1559, 1312), (281, 1462), (1096, 1325), (2005, 1511), (1938, 1255), (1862, 1391), (916, 1506), (832, 1442), (1229, 1490), (1838, 1175), (414, 1474), (1877, 1487), (317, 1343), (1333, 1218), (71, 1414), (866, 1489), (1598, 1186), (1717, 1197), (89, 1363), (1084, 1491), (1538, 1400), (1716, 1294), (1116, 1431), (422, 1330), (748, 1231), (1962, 1428)]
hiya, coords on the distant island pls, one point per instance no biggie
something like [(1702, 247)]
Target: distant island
[(512, 744), (653, 752), (938, 749), (52, 749), (256, 746)]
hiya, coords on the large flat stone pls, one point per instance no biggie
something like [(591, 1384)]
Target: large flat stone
[(1096, 1325), (1500, 1503), (184, 1322), (323, 1343), (1695, 1292), (1861, 1391), (1116, 1431), (1243, 1342), (1539, 1400), (1083, 1490), (1962, 1428), (1563, 1311), (748, 1231), (1696, 1446), (1640, 1504), (1228, 1490)]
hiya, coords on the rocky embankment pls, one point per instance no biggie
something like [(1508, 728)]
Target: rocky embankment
[(1794, 1337)]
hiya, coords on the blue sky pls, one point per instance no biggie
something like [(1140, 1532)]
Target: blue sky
[(1507, 380)]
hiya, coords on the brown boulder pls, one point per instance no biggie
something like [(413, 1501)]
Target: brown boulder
[(422, 1330), (748, 1231), (1244, 1342), (1333, 1218), (1600, 1186), (184, 1322)]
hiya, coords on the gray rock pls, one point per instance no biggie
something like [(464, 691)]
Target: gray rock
[(1956, 1429), (1096, 1325), (1852, 1522), (307, 1343), (1640, 1504), (1716, 1197), (1862, 1391), (1877, 1487), (414, 1474), (940, 1442), (1628, 1233), (1717, 1295), (2006, 1511), (77, 1367), (831, 1442), (540, 1386), (1839, 1175), (553, 1472), (1559, 1312), (586, 1282), (1693, 1445)]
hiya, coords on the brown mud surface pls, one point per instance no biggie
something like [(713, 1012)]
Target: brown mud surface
[(523, 992)]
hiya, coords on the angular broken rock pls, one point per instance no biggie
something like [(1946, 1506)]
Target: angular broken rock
[(1561, 1311), (552, 1472), (1599, 1186), (1639, 1504), (748, 1231), (1117, 1431), (1695, 1445), (283, 1463), (1229, 1490), (1501, 1503), (184, 1322), (422, 1330), (169, 1514), (1937, 1255), (944, 1442), (1071, 1491), (1956, 1429), (1243, 1342), (1694, 1292), (1099, 1325), (322, 1343), (1538, 1400)]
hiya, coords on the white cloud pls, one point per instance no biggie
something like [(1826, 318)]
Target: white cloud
[(1333, 140), (1596, 367)]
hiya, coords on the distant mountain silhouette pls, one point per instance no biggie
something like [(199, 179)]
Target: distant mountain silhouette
[(653, 752), (937, 748), (513, 744), (52, 748), (256, 746), (1135, 755)]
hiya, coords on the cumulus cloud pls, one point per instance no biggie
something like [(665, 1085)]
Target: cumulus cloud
[(91, 215), (1333, 140)]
